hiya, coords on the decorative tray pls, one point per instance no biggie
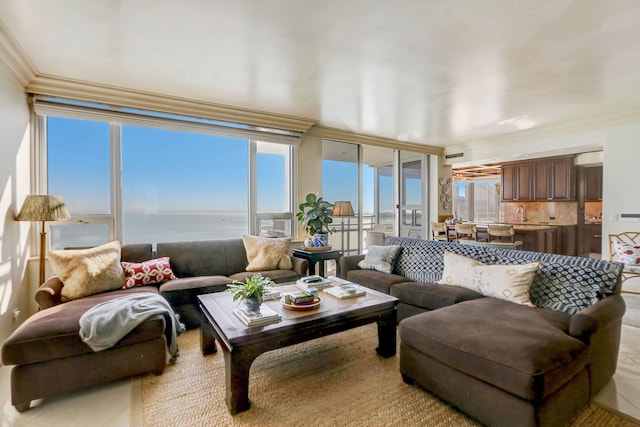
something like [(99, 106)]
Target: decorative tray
[(301, 307), (316, 249)]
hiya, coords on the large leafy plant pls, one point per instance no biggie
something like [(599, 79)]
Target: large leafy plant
[(315, 215), (252, 287)]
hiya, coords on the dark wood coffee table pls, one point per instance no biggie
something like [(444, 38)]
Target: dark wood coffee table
[(241, 344)]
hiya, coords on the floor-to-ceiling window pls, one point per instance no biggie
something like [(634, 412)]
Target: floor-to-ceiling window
[(172, 181), (477, 200), (340, 182), (182, 186)]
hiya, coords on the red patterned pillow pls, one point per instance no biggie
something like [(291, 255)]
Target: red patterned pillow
[(147, 272), (627, 254)]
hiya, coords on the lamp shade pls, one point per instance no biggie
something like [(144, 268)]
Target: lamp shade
[(43, 208), (343, 208)]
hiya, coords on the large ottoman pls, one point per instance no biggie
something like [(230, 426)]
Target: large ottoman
[(518, 367)]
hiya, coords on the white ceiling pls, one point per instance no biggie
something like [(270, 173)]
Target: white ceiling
[(425, 71)]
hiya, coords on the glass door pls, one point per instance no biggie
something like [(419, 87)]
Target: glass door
[(411, 206)]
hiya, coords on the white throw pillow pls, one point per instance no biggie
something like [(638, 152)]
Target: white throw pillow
[(267, 253), (380, 258), (88, 271), (507, 282), (458, 271)]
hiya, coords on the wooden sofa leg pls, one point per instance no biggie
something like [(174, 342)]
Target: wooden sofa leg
[(21, 407)]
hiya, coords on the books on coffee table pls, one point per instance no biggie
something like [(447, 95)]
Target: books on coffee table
[(345, 290), (265, 316), (270, 293), (317, 282)]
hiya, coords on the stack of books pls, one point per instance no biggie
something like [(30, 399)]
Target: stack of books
[(317, 282), (270, 293), (265, 316), (347, 290)]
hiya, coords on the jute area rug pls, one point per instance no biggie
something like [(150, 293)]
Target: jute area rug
[(337, 380)]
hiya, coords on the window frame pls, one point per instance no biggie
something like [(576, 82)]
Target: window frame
[(114, 220)]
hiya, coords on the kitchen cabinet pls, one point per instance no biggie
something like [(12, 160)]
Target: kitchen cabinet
[(517, 180), (548, 179), (593, 184), (567, 241), (544, 239)]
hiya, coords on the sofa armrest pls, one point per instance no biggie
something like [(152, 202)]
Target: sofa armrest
[(599, 326), (300, 265), (348, 263), (49, 293), (587, 321)]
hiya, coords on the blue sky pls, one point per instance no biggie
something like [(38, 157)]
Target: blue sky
[(175, 171)]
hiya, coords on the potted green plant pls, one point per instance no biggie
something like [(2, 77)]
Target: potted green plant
[(315, 215), (250, 291)]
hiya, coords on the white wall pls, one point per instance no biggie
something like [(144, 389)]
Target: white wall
[(14, 187)]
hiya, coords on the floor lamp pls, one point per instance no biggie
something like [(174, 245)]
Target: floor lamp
[(341, 209), (43, 208)]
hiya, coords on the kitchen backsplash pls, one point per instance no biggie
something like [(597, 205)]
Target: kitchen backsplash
[(565, 213)]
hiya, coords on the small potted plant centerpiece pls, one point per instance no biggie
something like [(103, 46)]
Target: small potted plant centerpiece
[(315, 215), (250, 290)]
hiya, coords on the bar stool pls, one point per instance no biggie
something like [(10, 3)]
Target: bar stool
[(466, 232), (503, 235)]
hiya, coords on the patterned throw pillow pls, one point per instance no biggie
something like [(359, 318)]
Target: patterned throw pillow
[(627, 254), (380, 258), (458, 271), (147, 273), (507, 282)]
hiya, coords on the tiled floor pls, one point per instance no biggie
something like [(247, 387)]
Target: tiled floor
[(115, 405)]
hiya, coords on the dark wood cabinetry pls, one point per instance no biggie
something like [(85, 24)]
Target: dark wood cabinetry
[(593, 184), (547, 179), (517, 182)]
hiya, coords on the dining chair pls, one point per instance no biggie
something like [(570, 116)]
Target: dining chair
[(439, 231)]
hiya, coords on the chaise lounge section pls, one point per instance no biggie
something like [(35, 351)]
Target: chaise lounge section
[(502, 362)]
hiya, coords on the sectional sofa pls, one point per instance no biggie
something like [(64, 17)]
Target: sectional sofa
[(503, 356), (49, 355)]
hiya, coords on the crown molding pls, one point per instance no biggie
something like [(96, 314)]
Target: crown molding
[(566, 128), (14, 58), (348, 136), (61, 87)]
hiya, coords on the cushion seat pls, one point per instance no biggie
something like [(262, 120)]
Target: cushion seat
[(374, 280), (53, 333), (523, 350), (432, 296), (184, 291)]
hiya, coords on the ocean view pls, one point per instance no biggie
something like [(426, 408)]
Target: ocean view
[(171, 227), (153, 228)]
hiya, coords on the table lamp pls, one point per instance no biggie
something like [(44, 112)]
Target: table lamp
[(342, 208), (43, 208)]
